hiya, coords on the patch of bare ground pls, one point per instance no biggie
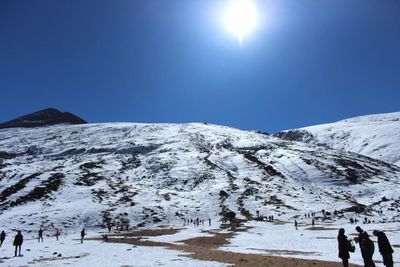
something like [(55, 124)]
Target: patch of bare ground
[(58, 258), (320, 228), (206, 248), (149, 232), (279, 222)]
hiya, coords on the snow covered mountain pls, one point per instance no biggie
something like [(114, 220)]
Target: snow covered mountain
[(73, 175), (376, 136), (45, 117)]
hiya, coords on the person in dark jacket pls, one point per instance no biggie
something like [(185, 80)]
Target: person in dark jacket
[(40, 235), (2, 237), (385, 248), (366, 246), (18, 240), (343, 247), (83, 234)]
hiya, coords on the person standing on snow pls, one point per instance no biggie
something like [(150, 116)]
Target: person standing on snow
[(40, 235), (385, 248), (58, 233), (83, 234), (2, 237), (343, 247), (18, 240), (366, 246)]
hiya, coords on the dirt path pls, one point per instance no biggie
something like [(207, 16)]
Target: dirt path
[(205, 248)]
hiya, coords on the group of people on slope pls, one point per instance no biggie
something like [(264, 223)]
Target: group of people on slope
[(19, 239), (366, 246)]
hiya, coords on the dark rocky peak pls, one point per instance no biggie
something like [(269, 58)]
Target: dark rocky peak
[(45, 117)]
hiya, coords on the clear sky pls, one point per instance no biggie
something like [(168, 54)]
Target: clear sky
[(308, 61)]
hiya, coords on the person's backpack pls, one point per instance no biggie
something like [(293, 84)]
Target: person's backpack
[(351, 247)]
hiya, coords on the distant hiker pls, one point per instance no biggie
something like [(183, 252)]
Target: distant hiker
[(83, 234), (40, 235), (58, 233), (366, 247), (209, 222), (343, 247), (109, 227), (18, 240), (2, 237), (295, 224), (105, 238), (385, 248)]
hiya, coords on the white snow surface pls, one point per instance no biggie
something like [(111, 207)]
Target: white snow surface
[(265, 238), (159, 174), (283, 240), (93, 253), (376, 136)]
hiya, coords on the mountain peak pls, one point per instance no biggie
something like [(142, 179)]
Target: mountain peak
[(45, 117)]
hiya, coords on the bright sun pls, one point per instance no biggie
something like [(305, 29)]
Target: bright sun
[(241, 18)]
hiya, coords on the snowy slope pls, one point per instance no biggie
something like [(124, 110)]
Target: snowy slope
[(376, 136), (152, 174)]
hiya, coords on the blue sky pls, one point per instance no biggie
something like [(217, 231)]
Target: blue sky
[(308, 61)]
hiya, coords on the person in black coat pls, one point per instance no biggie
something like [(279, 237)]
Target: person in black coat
[(40, 235), (343, 246), (385, 248), (2, 237), (18, 240), (83, 234), (366, 246)]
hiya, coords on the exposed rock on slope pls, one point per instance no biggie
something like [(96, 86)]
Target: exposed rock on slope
[(43, 117), (376, 136), (147, 174)]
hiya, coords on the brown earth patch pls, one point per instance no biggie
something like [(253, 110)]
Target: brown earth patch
[(58, 258), (320, 228), (206, 248), (149, 232)]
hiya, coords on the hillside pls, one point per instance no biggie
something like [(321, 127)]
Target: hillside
[(376, 136), (153, 174)]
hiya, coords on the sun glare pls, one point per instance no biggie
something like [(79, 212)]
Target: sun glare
[(241, 18)]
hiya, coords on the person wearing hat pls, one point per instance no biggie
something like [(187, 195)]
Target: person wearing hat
[(366, 246), (385, 248)]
